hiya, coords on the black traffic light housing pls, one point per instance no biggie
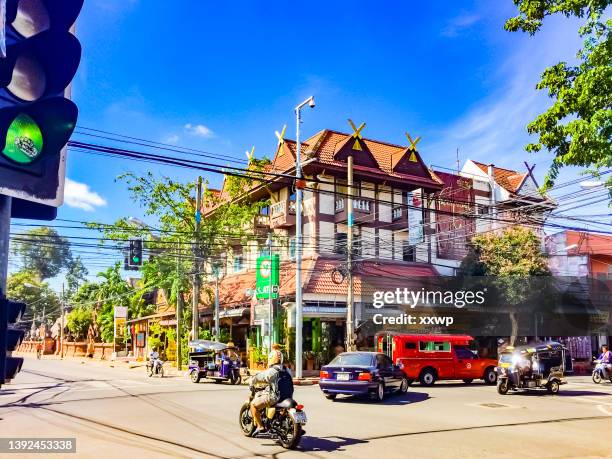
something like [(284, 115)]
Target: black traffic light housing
[(36, 119), (135, 253), (10, 338)]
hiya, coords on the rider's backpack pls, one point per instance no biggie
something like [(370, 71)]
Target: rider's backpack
[(284, 385)]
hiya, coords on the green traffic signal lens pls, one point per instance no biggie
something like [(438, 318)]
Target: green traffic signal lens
[(24, 140), (135, 259)]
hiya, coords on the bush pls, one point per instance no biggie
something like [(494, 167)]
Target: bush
[(78, 322)]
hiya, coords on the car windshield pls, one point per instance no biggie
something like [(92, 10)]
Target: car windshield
[(352, 359)]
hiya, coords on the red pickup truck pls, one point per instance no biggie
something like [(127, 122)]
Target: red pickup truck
[(429, 358)]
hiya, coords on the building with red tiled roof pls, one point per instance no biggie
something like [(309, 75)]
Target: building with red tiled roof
[(409, 222)]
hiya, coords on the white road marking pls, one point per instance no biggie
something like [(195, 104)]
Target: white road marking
[(604, 410)]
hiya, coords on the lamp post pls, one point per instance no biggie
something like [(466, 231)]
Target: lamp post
[(298, 238), (270, 295)]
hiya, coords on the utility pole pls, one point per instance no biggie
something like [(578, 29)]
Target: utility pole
[(270, 296), (350, 300), (63, 306), (179, 308), (195, 319), (217, 328)]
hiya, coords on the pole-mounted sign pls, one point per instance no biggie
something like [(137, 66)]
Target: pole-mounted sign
[(267, 276)]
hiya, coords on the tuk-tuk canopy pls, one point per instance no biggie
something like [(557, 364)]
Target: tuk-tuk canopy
[(535, 348), (207, 345)]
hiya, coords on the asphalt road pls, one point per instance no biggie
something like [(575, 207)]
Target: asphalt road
[(119, 412)]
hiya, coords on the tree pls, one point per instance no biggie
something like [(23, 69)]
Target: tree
[(514, 261), (25, 286), (76, 274), (78, 321), (43, 252), (577, 128), (112, 291)]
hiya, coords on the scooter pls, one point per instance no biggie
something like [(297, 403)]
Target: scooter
[(600, 372), (155, 368), (283, 421)]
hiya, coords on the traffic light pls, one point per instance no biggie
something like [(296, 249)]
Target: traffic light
[(10, 338), (135, 253), (36, 119)]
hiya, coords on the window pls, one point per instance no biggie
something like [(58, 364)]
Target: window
[(383, 362), (340, 243), (465, 354), (264, 210), (434, 346), (408, 252), (292, 248), (409, 345), (238, 263), (484, 210)]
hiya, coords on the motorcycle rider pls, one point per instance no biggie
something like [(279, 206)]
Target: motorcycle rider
[(271, 394), (154, 358), (606, 358)]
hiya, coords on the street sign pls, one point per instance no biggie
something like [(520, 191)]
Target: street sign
[(267, 276), (36, 117)]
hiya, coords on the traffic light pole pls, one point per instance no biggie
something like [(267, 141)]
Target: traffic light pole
[(5, 231)]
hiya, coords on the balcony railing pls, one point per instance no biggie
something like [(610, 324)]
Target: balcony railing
[(359, 204), (278, 208), (397, 213)]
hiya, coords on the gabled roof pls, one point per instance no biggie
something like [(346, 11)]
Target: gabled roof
[(325, 144), (506, 178)]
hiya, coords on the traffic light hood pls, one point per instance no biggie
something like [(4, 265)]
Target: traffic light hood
[(29, 17), (40, 66)]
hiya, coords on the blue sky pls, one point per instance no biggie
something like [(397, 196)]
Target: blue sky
[(223, 76)]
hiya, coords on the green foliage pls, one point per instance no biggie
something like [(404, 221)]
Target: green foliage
[(75, 275), (156, 338), (577, 128), (43, 252), (78, 321), (25, 286), (515, 252), (112, 291)]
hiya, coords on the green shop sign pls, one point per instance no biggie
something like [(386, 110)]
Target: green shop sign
[(268, 268)]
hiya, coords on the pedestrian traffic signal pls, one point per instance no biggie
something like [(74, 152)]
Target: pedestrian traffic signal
[(36, 119), (10, 338), (135, 255)]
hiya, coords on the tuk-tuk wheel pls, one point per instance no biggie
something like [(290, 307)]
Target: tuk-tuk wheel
[(195, 376), (502, 387), (553, 387)]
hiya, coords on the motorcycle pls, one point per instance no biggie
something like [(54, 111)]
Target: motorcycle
[(600, 372), (155, 368), (284, 420)]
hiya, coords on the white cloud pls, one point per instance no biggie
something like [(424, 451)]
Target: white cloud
[(172, 138), (199, 130), (460, 23), (79, 195)]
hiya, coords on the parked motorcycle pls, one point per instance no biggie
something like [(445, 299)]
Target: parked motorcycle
[(283, 421), (600, 372), (155, 368)]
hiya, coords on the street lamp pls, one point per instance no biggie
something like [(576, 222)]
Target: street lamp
[(298, 238)]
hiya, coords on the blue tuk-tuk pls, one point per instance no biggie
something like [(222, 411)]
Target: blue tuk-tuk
[(213, 360)]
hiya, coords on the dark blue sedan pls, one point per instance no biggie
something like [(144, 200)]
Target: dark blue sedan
[(362, 373)]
